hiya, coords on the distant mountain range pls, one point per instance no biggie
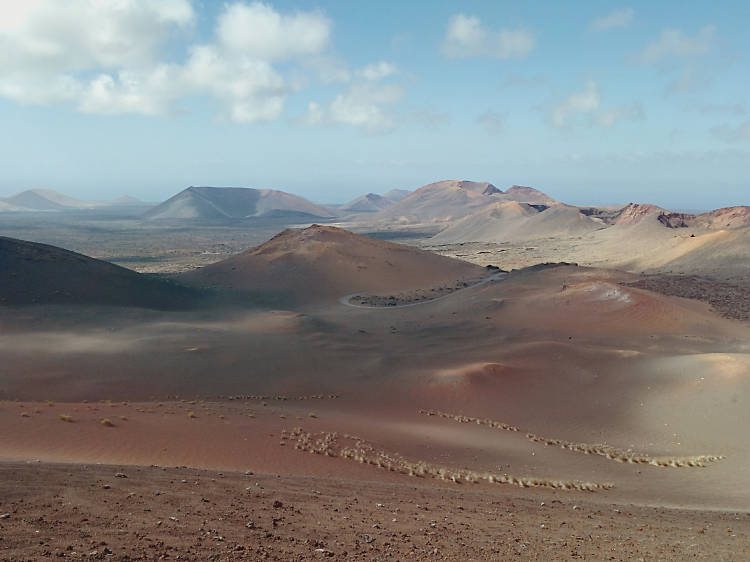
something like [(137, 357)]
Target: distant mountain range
[(50, 200), (234, 203)]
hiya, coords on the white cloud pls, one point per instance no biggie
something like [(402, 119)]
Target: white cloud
[(466, 37), (49, 51), (54, 36), (584, 102), (728, 133), (608, 117), (586, 106), (257, 30), (492, 121), (615, 19), (673, 44), (315, 115), (378, 71), (364, 104)]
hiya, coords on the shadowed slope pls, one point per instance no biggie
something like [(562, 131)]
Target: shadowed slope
[(32, 273)]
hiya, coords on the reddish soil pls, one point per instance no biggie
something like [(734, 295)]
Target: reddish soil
[(140, 513), (728, 299)]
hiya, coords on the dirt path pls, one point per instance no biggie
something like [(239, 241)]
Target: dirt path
[(346, 300)]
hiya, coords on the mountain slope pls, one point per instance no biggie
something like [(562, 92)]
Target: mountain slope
[(396, 195), (32, 273), (368, 203), (232, 203), (447, 201), (48, 200), (514, 222), (322, 262)]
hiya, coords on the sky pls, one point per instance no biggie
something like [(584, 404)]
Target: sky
[(591, 102)]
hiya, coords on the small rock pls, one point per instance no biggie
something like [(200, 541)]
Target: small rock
[(5, 516)]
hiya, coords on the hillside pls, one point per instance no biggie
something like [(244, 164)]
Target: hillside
[(322, 262), (447, 201), (232, 203), (396, 195), (512, 222), (368, 203), (32, 273)]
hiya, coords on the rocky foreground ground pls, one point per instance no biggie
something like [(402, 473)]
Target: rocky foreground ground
[(731, 300), (98, 512)]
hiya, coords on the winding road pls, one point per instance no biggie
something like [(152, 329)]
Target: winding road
[(491, 278)]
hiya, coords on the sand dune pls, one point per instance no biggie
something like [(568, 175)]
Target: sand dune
[(328, 262), (232, 203)]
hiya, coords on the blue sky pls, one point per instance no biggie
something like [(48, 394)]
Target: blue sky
[(592, 102)]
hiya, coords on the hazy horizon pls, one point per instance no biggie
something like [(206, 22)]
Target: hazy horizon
[(595, 103)]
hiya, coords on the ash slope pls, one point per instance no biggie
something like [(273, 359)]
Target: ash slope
[(32, 273), (446, 201), (329, 262)]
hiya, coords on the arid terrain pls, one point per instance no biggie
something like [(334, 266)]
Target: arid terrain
[(289, 389)]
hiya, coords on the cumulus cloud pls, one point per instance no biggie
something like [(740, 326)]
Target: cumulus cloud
[(103, 56), (364, 104), (492, 122), (258, 31), (586, 105), (584, 102), (608, 117), (615, 19), (737, 133), (378, 71), (467, 37), (673, 45)]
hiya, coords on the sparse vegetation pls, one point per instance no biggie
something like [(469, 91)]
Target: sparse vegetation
[(66, 418), (106, 422)]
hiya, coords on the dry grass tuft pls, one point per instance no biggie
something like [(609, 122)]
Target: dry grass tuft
[(66, 418), (106, 422)]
